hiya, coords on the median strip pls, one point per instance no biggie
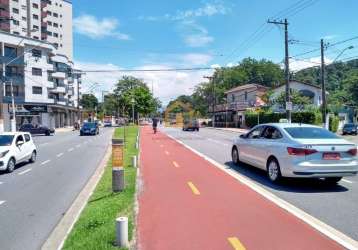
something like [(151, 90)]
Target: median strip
[(24, 172), (235, 243), (193, 188)]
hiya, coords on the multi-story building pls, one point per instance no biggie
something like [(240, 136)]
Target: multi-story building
[(45, 20), (46, 86)]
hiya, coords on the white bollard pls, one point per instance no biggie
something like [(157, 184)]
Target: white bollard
[(134, 161), (122, 232)]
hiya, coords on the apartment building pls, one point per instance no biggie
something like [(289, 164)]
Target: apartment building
[(44, 20), (46, 86)]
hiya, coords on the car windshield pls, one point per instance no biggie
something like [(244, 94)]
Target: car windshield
[(349, 125), (89, 125), (6, 140), (310, 133)]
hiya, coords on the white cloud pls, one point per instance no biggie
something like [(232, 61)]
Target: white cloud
[(297, 65), (209, 9), (95, 28), (198, 40), (196, 59), (166, 84), (329, 37)]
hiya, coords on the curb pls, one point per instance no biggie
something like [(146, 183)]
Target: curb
[(63, 228), (138, 189), (315, 223)]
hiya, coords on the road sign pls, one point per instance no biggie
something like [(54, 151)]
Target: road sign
[(289, 106)]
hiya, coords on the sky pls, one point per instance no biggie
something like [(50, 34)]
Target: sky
[(162, 34)]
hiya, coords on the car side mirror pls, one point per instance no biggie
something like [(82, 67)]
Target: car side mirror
[(243, 136), (19, 143)]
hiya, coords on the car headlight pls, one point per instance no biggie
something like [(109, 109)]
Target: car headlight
[(4, 153)]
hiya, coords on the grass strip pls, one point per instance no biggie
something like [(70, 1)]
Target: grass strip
[(95, 229)]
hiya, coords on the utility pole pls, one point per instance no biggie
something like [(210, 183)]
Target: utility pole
[(323, 84), (214, 98), (287, 69), (13, 121)]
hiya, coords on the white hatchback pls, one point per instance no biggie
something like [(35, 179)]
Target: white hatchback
[(16, 148)]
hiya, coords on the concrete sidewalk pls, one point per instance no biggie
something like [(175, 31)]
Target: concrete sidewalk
[(188, 203)]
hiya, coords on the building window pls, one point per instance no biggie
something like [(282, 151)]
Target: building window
[(49, 13), (35, 27), (24, 18), (36, 17), (16, 11), (56, 45), (11, 71), (36, 53), (16, 22), (35, 5), (55, 34), (36, 37), (49, 23), (16, 1), (37, 90), (49, 33), (245, 96), (55, 14), (55, 25), (16, 33), (10, 51), (36, 72), (8, 90), (233, 98)]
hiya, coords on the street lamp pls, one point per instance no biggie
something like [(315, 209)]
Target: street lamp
[(339, 55), (133, 102)]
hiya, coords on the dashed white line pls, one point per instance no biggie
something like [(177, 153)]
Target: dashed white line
[(45, 162), (44, 144), (1, 182), (2, 202), (24, 172), (218, 142), (347, 181), (70, 149), (79, 145), (59, 155)]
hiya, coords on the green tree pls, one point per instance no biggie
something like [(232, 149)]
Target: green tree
[(89, 102)]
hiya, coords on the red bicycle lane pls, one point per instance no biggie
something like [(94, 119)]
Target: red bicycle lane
[(187, 203)]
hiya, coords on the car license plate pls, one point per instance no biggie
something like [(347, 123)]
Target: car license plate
[(331, 156)]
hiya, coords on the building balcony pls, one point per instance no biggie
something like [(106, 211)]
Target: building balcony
[(14, 61), (58, 90), (234, 106), (16, 79), (4, 13), (60, 75)]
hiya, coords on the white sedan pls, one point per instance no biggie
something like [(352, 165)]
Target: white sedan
[(296, 150), (16, 148)]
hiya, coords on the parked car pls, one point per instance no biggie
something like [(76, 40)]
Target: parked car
[(16, 148), (89, 128), (107, 124), (37, 129), (296, 150), (191, 125), (350, 129)]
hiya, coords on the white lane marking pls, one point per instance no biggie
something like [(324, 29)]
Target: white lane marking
[(71, 149), (45, 162), (218, 142), (322, 227), (24, 172), (1, 182), (79, 145), (2, 202), (44, 144), (347, 181), (59, 155)]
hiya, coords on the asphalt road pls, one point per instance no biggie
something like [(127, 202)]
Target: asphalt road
[(336, 206), (35, 196)]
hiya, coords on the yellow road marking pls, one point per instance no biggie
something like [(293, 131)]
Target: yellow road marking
[(166, 152), (193, 188), (175, 164), (236, 244)]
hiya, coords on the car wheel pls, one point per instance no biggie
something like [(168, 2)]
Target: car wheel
[(273, 170), (235, 156), (332, 180), (11, 165), (33, 157), (48, 133), (197, 129)]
